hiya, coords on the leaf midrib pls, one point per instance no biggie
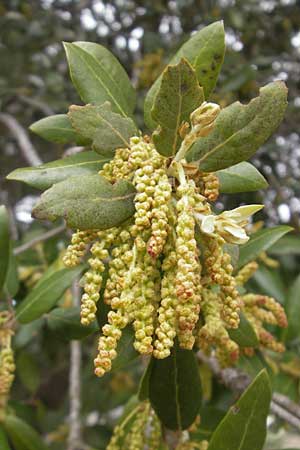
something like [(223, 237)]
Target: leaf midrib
[(99, 79)]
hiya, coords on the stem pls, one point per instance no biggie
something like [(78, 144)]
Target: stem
[(74, 438), (26, 147), (43, 237)]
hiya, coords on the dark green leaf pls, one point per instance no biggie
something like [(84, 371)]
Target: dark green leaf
[(175, 390), (4, 445), (4, 245), (252, 365), (286, 385), (22, 435), (28, 371), (66, 323), (287, 245), (178, 96), (242, 177), (241, 129), (205, 52), (56, 129), (244, 426), (260, 242), (106, 129), (12, 277), (293, 310), (269, 282), (125, 350), (46, 294), (143, 393), (244, 335), (91, 203), (44, 176), (28, 332), (210, 418), (96, 82)]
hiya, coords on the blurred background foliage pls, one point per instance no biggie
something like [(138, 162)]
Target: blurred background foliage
[(263, 44)]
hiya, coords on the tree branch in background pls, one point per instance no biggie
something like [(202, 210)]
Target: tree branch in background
[(75, 438), (237, 381), (26, 147), (37, 104), (43, 237)]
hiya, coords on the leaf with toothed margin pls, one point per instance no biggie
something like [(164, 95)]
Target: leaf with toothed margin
[(178, 96), (240, 130), (106, 129), (205, 52), (90, 202)]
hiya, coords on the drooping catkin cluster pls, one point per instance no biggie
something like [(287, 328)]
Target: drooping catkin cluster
[(140, 429), (166, 271), (261, 310), (7, 365)]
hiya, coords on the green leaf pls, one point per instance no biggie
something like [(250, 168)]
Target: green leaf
[(4, 245), (269, 282), (22, 435), (175, 389), (56, 129), (287, 245), (125, 350), (178, 96), (210, 418), (28, 371), (241, 129), (46, 294), (287, 385), (44, 176), (244, 426), (65, 322), (4, 445), (88, 202), (205, 52), (244, 335), (252, 365), (260, 242), (12, 277), (293, 310), (98, 76), (242, 177), (106, 129), (143, 393)]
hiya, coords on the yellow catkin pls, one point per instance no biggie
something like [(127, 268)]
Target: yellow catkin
[(188, 268), (93, 278), (166, 327), (213, 333), (246, 273), (78, 247), (211, 186), (135, 439)]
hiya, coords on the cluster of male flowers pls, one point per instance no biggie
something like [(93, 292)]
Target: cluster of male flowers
[(141, 428), (7, 365), (167, 271)]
